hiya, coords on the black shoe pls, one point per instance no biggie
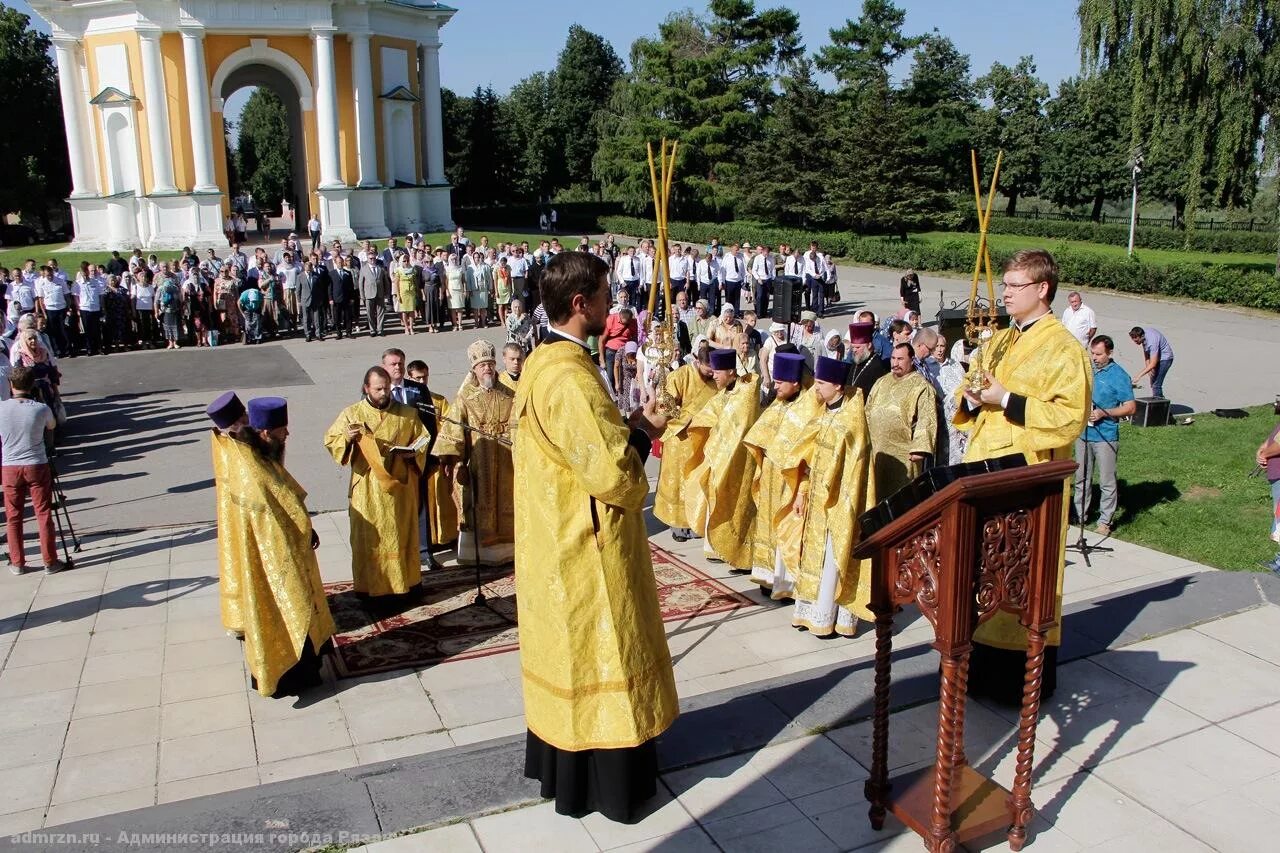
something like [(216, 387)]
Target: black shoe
[(310, 339), (679, 537)]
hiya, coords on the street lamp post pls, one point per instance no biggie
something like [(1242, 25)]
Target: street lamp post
[(1133, 209)]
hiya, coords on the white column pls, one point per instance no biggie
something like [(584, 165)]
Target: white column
[(432, 124), (73, 108), (198, 106), (156, 105), (362, 72), (327, 110)]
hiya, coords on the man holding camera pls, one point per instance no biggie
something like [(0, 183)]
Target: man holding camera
[(25, 423)]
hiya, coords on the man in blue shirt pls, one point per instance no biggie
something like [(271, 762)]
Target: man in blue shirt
[(1157, 357), (1098, 447)]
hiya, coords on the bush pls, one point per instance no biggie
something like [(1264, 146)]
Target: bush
[(1077, 264), (1263, 242)]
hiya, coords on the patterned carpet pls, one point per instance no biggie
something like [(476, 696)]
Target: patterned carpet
[(445, 625)]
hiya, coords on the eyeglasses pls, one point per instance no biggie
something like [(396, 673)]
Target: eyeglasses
[(1011, 286)]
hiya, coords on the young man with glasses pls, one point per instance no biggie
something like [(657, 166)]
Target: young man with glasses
[(1036, 396)]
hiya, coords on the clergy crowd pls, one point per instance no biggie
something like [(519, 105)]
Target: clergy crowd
[(769, 454)]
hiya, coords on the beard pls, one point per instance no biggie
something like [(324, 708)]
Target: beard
[(595, 327), (486, 382), (386, 401), (267, 448)]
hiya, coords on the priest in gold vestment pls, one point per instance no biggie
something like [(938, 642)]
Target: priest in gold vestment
[(228, 415), (691, 386), (902, 418), (384, 486), (439, 525), (833, 590), (1037, 391), (598, 680), (779, 443), (474, 448), (285, 617), (720, 468)]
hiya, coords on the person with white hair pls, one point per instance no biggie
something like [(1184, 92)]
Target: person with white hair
[(724, 328)]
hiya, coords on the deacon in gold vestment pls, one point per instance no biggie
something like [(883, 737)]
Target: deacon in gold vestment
[(902, 418), (384, 486), (1036, 400), (440, 511), (228, 415), (832, 589), (598, 680), (475, 451), (691, 386), (512, 364), (720, 468), (286, 618), (780, 441)]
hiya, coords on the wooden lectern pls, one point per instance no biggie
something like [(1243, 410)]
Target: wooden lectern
[(983, 543)]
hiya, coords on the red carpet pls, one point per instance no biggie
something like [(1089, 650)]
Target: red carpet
[(446, 626)]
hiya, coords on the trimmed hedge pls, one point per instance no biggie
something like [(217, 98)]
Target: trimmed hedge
[(1206, 282), (1146, 237)]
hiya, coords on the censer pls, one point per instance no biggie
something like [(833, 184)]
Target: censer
[(663, 346)]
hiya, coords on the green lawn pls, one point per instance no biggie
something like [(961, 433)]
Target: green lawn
[(1012, 242), (1185, 490), (15, 257)]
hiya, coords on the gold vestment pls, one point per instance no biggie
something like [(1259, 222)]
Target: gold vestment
[(442, 512), (1047, 365), (902, 418), (485, 474), (720, 470), (282, 599), (383, 495), (230, 538), (691, 392), (780, 440), (596, 670), (840, 490)]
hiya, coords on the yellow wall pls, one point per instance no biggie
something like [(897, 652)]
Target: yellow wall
[(140, 116), (379, 88), (175, 87)]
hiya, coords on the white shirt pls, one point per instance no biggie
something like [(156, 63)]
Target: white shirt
[(734, 268), (646, 267), (682, 267), (705, 271), (813, 265), (790, 267), (628, 268), (313, 224), (1080, 322), (23, 294), (519, 266), (89, 293), (144, 296), (53, 294)]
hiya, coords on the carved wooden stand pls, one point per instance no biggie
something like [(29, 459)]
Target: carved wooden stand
[(984, 543)]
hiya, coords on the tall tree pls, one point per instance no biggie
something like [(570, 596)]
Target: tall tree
[(791, 161), (584, 77), (1086, 143), (940, 103), (263, 149), (1205, 79), (863, 50), (1014, 123), (535, 138), (482, 171), (34, 172), (707, 82)]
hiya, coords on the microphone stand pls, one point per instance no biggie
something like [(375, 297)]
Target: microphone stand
[(1082, 545)]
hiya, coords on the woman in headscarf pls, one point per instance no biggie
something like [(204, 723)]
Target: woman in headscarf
[(833, 345), (950, 376)]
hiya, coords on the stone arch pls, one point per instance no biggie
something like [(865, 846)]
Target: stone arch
[(257, 74), (258, 53)]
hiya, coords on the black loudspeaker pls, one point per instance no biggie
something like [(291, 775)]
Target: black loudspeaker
[(1151, 412), (788, 297)]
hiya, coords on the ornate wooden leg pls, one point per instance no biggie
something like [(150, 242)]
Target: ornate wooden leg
[(958, 758), (1020, 807), (877, 786), (941, 839)]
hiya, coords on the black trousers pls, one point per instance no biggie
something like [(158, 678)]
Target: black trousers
[(761, 294), (342, 318), (92, 331), (733, 296)]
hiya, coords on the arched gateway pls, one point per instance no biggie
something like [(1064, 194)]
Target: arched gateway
[(143, 84)]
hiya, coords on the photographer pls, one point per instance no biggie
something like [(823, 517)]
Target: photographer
[(1098, 448)]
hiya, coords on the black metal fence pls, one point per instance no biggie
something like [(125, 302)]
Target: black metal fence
[(1211, 224)]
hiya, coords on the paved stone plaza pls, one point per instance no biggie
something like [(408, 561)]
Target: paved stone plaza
[(124, 707)]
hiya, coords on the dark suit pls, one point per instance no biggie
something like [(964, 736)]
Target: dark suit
[(418, 396), (313, 295), (342, 293)]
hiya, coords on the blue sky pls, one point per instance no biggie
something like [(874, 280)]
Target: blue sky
[(498, 42)]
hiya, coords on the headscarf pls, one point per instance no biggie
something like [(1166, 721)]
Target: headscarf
[(30, 350)]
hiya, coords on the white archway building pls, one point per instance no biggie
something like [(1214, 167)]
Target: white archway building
[(143, 84)]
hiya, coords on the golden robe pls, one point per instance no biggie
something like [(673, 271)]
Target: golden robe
[(487, 478), (507, 381), (780, 441), (691, 392), (840, 490), (1048, 366), (594, 659), (442, 512), (902, 418), (230, 538), (383, 495), (720, 470), (281, 596)]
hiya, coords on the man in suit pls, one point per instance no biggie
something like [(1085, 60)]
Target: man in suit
[(313, 295), (417, 396), (342, 295), (375, 284)]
